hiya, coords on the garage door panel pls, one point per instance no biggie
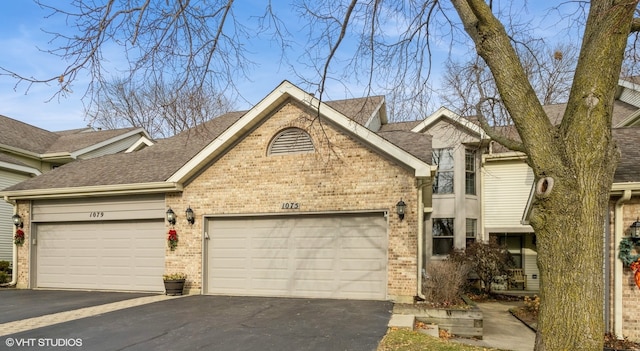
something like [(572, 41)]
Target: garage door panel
[(101, 255), (298, 256)]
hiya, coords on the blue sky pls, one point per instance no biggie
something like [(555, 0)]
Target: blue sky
[(21, 24)]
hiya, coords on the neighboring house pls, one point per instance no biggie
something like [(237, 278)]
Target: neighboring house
[(27, 151)]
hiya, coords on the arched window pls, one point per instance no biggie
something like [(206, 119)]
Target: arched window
[(291, 141)]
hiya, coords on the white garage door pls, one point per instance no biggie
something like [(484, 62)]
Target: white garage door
[(313, 256), (118, 255)]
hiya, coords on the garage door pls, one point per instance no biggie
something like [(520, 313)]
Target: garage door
[(310, 256), (119, 255)]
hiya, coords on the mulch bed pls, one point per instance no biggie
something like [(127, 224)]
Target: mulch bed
[(611, 342)]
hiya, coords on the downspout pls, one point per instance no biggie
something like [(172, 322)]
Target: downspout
[(617, 272), (14, 264), (421, 185)]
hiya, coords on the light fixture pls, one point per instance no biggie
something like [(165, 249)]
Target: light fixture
[(190, 217), (17, 221), (171, 216), (635, 229), (400, 208)]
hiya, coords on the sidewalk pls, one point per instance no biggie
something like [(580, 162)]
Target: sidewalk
[(502, 330)]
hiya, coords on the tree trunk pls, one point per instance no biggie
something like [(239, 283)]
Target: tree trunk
[(574, 164), (569, 227)]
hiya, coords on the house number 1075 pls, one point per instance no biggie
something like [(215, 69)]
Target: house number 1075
[(290, 205)]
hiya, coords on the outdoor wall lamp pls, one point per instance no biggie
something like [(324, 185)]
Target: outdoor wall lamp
[(635, 229), (190, 217), (171, 216), (400, 208), (17, 221)]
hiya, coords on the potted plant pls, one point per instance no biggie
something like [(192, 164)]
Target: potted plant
[(173, 283)]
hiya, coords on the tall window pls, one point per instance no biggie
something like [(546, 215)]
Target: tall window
[(472, 225), (442, 232), (443, 181), (470, 172)]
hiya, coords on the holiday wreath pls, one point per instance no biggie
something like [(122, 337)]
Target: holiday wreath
[(629, 260), (18, 239), (172, 239)]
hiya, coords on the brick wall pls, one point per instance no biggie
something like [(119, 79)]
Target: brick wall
[(342, 175), (23, 251), (630, 292)]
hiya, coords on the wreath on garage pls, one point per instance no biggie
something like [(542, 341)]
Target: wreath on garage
[(18, 238), (629, 260), (172, 239)]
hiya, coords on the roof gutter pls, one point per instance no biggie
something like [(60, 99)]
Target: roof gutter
[(92, 191), (617, 270)]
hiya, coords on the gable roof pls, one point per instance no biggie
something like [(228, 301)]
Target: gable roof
[(145, 170), (279, 95), (168, 164), (360, 110), (25, 139), (444, 112)]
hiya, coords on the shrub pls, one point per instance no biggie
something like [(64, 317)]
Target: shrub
[(4, 277), (487, 260), (444, 282), (4, 266), (532, 305)]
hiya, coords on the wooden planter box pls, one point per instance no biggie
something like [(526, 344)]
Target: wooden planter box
[(173, 287), (465, 322)]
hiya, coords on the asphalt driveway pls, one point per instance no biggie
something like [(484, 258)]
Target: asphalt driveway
[(211, 323)]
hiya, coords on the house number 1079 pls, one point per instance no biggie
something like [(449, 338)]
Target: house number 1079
[(290, 205)]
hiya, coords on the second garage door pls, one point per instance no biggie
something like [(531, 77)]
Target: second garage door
[(116, 255), (341, 256)]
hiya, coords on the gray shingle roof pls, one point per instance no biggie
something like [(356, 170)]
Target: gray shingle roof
[(26, 137), (359, 109), (406, 126), (621, 110), (79, 141), (151, 164), (417, 144), (627, 140), (158, 162)]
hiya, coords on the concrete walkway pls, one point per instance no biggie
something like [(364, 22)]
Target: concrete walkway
[(502, 330)]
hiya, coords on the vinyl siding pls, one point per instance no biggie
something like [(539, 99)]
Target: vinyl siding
[(112, 148), (6, 211), (631, 97), (507, 185)]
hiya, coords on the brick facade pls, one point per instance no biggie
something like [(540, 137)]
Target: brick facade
[(23, 251), (341, 175), (630, 292)]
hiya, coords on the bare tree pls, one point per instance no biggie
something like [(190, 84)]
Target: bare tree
[(162, 109), (550, 72), (392, 42)]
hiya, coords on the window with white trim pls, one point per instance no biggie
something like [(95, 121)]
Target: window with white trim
[(442, 232), (472, 231), (469, 172), (443, 181)]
